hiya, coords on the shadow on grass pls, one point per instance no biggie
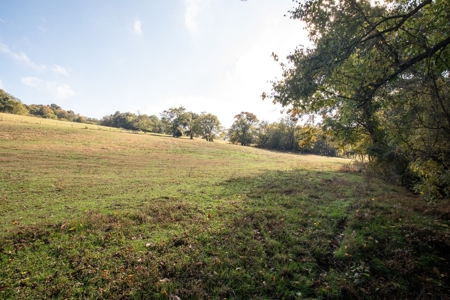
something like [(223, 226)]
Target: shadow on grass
[(280, 235)]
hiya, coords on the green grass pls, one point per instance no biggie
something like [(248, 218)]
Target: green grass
[(101, 213)]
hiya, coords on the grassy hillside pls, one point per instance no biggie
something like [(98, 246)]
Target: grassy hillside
[(92, 212)]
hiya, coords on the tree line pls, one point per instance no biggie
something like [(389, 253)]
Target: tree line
[(175, 121), (12, 105), (284, 135), (246, 129)]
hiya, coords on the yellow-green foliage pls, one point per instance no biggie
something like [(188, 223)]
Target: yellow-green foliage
[(9, 104)]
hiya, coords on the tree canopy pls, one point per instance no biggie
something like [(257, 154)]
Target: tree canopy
[(378, 75), (10, 104), (178, 119), (243, 129), (208, 126)]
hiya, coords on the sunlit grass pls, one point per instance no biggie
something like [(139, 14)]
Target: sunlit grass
[(100, 213)]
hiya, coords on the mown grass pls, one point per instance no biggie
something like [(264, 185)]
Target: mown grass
[(95, 213)]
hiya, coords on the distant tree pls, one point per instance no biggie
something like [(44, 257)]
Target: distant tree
[(71, 115), (10, 104), (47, 112), (34, 109), (243, 129), (290, 125), (124, 120), (93, 121), (208, 126), (80, 119), (191, 129), (165, 126), (143, 123), (62, 114), (262, 134), (156, 124), (177, 118), (54, 107)]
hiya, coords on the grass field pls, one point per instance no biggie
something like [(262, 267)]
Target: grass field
[(89, 212)]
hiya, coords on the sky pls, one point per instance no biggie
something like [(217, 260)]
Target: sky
[(96, 57)]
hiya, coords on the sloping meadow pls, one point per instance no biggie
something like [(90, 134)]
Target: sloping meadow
[(88, 212)]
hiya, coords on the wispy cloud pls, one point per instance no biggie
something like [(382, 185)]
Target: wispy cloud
[(25, 60), (20, 57), (191, 15), (60, 91), (137, 26), (1, 85), (42, 26), (59, 70)]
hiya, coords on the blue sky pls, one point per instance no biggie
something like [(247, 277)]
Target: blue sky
[(97, 57)]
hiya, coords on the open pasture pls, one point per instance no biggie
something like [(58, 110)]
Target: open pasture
[(92, 212)]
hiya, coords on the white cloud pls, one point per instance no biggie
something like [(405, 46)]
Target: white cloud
[(33, 82), (60, 91), (137, 26), (21, 57), (1, 85), (191, 15), (60, 70)]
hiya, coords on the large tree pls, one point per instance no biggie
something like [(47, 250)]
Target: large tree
[(191, 129), (178, 119), (378, 73), (243, 129), (208, 126)]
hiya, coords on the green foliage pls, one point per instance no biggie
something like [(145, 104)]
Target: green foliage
[(378, 75), (285, 135), (178, 119), (55, 112), (10, 104), (132, 121), (282, 135), (191, 128), (207, 126), (243, 129)]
